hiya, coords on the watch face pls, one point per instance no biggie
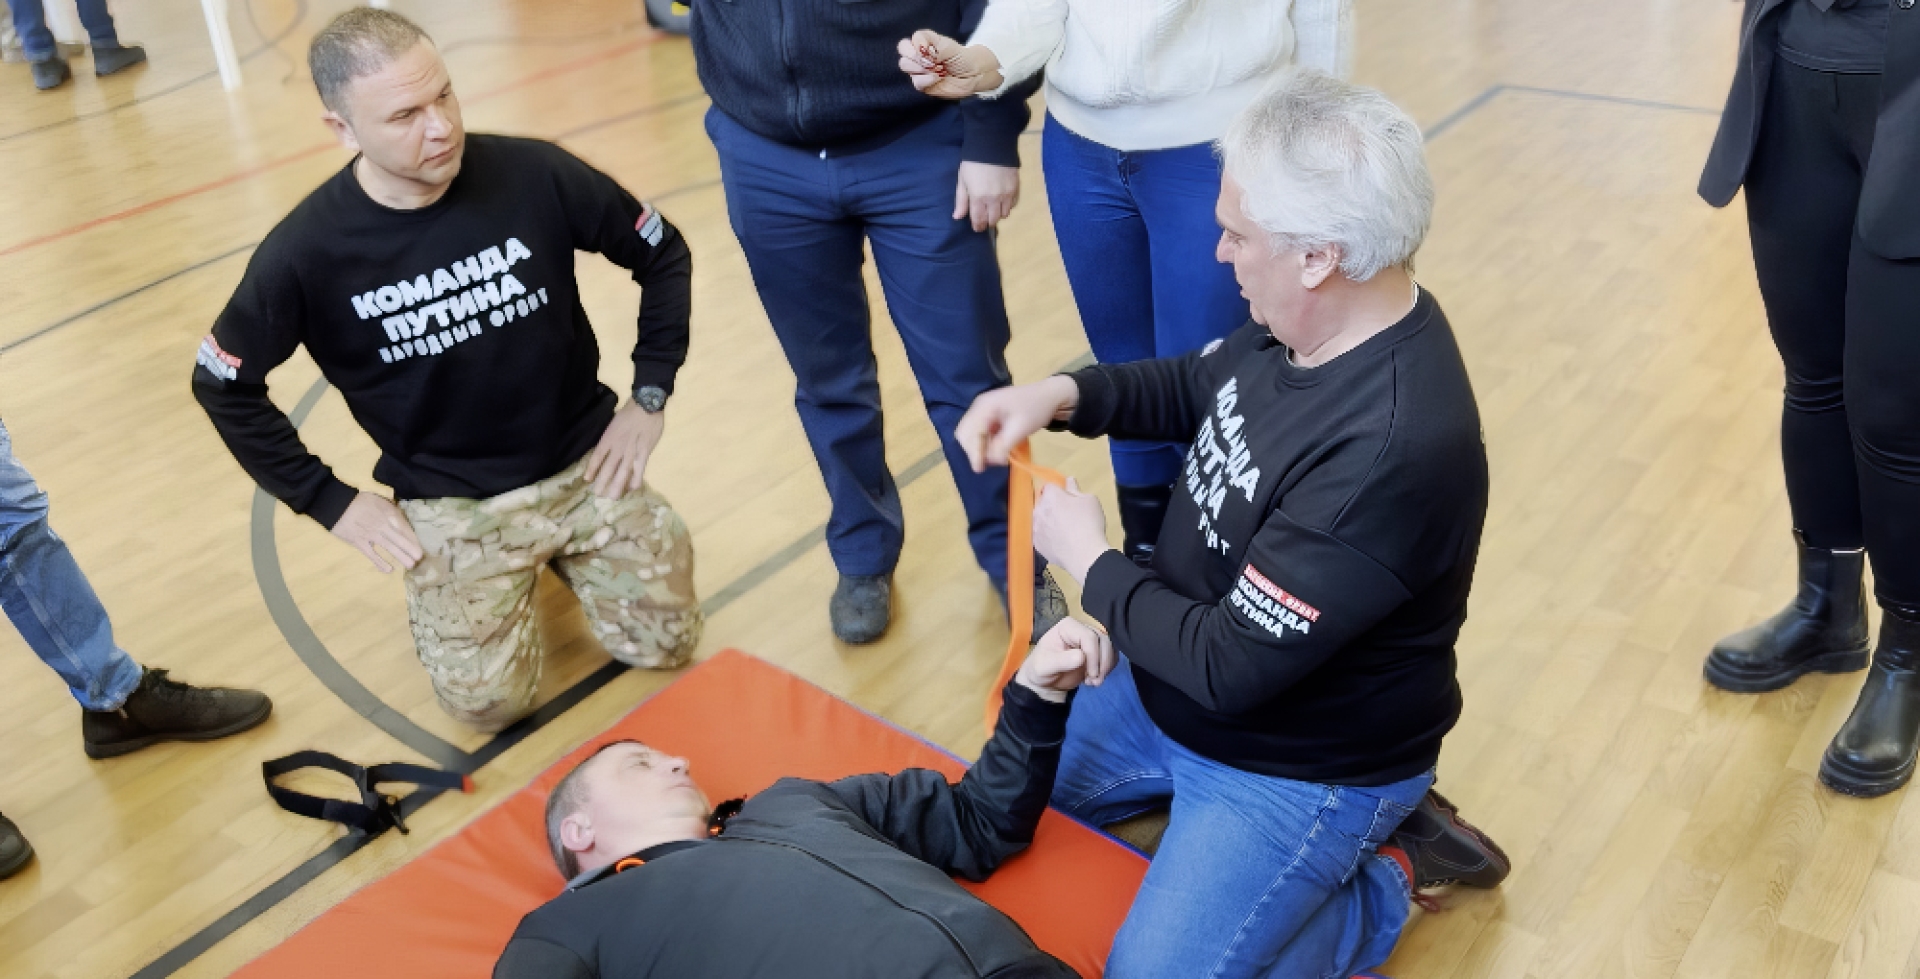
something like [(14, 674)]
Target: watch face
[(650, 399)]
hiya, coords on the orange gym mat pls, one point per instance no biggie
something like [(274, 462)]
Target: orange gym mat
[(742, 723)]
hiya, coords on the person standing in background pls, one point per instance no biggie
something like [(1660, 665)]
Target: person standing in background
[(824, 150), (43, 55), (1822, 128), (1137, 92)]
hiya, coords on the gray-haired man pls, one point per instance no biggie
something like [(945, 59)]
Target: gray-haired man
[(432, 281), (1291, 664)]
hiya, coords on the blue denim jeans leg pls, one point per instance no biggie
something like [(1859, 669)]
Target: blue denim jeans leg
[(1137, 234), (1256, 876), (48, 598), (802, 217), (30, 22)]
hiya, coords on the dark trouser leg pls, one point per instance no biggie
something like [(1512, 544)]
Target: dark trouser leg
[(98, 21), (1802, 193), (30, 22), (805, 255), (1874, 752), (942, 281)]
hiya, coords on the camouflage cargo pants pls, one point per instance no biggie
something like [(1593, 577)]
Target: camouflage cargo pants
[(470, 598)]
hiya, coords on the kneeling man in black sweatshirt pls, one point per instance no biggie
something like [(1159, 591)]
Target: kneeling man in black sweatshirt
[(431, 279), (851, 878), (1289, 666)]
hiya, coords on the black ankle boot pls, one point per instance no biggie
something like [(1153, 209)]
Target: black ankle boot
[(1874, 751), (1824, 629), (1142, 510)]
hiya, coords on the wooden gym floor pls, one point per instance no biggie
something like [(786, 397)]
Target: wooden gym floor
[(1658, 828)]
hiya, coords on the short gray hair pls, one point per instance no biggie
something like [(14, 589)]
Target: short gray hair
[(1322, 162), (568, 798), (359, 42)]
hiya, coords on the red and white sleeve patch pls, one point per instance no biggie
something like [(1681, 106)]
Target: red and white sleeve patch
[(1270, 606), (218, 362), (651, 225)]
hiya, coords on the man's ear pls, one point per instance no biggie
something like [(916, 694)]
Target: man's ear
[(1318, 264), (576, 833), (342, 130)]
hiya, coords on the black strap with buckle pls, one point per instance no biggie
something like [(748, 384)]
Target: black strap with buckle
[(376, 811)]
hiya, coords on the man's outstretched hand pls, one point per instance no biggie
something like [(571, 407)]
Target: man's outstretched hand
[(1070, 654), (942, 67), (618, 464), (376, 527), (1000, 419)]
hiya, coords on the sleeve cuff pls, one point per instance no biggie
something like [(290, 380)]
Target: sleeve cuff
[(331, 502), (1097, 402), (1112, 577), (1035, 720), (654, 373), (990, 144)]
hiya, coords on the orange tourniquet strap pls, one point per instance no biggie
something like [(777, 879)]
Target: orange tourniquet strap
[(1020, 500)]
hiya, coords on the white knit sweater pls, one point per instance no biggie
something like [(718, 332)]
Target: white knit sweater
[(1153, 74)]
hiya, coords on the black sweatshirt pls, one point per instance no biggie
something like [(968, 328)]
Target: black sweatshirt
[(844, 879), (825, 74), (1312, 574), (455, 331)]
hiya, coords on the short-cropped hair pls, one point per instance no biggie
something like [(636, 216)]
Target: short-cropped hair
[(1322, 162), (359, 42), (569, 797)]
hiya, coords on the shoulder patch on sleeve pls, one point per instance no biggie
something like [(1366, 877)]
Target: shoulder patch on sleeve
[(651, 226), (218, 362), (1211, 346), (1270, 606)]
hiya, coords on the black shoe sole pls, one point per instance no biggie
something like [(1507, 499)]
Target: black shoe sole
[(1863, 786), (13, 867), (1844, 661), (118, 748)]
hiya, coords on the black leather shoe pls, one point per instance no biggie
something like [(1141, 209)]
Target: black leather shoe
[(49, 73), (1445, 849), (862, 607), (15, 851), (1824, 629), (120, 57), (161, 709), (1143, 509), (1873, 753)]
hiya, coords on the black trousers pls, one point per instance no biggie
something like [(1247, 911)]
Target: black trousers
[(1847, 324)]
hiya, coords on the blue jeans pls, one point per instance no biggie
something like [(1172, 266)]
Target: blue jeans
[(1256, 875), (1138, 236), (49, 600), (30, 22), (802, 217)]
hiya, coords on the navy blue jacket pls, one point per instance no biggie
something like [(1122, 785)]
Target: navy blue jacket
[(825, 74)]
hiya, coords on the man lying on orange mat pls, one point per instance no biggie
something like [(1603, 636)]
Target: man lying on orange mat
[(844, 879)]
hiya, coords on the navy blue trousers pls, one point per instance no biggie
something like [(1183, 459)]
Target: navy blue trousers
[(802, 217)]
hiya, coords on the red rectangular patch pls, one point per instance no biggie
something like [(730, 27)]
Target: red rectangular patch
[(1281, 595)]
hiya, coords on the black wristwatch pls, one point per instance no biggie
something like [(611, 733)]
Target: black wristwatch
[(651, 399)]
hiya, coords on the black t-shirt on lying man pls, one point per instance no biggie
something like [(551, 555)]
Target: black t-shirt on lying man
[(1312, 574), (454, 331)]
